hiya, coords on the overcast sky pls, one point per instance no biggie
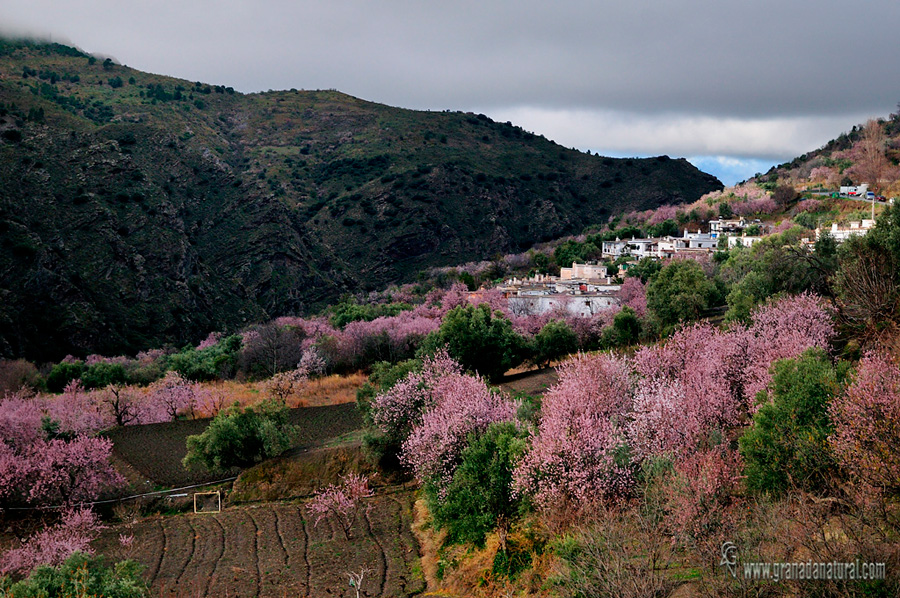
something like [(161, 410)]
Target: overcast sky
[(734, 86)]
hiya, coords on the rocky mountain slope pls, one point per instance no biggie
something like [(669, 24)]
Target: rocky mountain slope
[(138, 209)]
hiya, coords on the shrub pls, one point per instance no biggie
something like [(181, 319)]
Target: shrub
[(645, 270), (216, 360), (239, 437), (679, 293), (346, 312), (480, 497), (618, 553), (80, 576), (555, 340), (625, 329), (63, 373), (14, 374), (866, 283), (664, 228), (787, 444), (785, 194), (481, 341), (101, 375)]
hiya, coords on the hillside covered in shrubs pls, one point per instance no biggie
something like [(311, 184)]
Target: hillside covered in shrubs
[(138, 209)]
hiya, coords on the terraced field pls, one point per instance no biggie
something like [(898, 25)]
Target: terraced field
[(275, 550)]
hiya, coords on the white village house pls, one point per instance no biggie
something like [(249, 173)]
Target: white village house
[(589, 271), (842, 233), (664, 247)]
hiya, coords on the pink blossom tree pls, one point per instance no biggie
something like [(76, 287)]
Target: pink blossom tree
[(781, 329), (432, 412), (699, 497), (783, 226), (809, 205), (68, 472), (494, 298), (397, 410), (866, 438), (20, 421), (456, 296), (462, 405), (39, 471), (577, 456), (211, 400), (340, 502), (824, 174), (171, 396), (633, 294), (74, 533), (77, 411), (312, 362), (663, 213), (764, 205), (210, 341), (684, 394), (285, 385)]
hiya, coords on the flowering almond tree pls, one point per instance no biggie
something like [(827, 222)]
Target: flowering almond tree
[(78, 411), (68, 472), (55, 544), (683, 392), (463, 405), (37, 470), (577, 455), (285, 385), (698, 496), (340, 502), (170, 397), (781, 329), (866, 438), (399, 409), (431, 413)]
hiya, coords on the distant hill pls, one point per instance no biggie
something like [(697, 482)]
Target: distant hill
[(860, 155), (138, 209)]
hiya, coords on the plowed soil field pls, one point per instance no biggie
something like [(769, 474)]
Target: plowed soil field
[(275, 550), (156, 450)]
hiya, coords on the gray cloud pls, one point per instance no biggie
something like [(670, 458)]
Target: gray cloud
[(738, 78)]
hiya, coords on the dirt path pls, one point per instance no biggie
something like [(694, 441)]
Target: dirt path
[(532, 382)]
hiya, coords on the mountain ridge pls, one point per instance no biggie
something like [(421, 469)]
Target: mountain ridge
[(138, 209)]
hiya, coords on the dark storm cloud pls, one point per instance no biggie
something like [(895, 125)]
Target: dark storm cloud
[(701, 56), (755, 62)]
